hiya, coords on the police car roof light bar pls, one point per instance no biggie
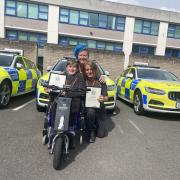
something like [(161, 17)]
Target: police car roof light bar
[(14, 51), (140, 64)]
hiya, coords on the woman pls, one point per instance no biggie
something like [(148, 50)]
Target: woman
[(82, 55), (95, 117)]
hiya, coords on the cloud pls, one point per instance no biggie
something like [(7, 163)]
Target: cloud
[(170, 9), (134, 2)]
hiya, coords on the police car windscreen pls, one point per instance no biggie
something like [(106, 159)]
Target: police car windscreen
[(6, 60), (156, 75), (60, 66)]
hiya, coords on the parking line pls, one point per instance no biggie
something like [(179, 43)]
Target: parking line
[(136, 127), (22, 106), (119, 127)]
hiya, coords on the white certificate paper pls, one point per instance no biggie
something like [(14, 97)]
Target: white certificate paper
[(92, 97), (57, 79)]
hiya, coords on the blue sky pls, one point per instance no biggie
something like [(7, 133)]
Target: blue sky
[(171, 5)]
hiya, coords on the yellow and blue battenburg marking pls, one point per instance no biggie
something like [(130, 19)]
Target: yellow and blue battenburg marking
[(13, 73), (22, 86), (29, 73), (23, 80)]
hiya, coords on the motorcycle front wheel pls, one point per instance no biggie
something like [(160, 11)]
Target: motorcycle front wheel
[(58, 158)]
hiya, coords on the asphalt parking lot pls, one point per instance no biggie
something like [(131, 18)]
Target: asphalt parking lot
[(137, 147)]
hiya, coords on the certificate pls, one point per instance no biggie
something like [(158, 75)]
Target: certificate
[(92, 97), (57, 79)]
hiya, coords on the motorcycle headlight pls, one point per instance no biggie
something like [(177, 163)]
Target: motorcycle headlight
[(154, 91), (42, 82), (111, 87)]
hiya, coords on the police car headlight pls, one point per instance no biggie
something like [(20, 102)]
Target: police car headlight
[(154, 91), (42, 82), (111, 87)]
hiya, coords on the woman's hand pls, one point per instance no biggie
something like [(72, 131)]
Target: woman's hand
[(102, 79), (63, 93), (101, 99), (47, 90)]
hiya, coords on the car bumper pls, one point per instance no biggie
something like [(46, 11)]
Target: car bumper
[(162, 110), (162, 104)]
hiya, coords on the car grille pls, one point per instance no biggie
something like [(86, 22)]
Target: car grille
[(175, 96), (44, 96), (110, 99)]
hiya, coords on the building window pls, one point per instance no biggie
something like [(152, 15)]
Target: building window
[(64, 15), (146, 27), (92, 19), (120, 24), (111, 22), (103, 20), (172, 53), (73, 17), (90, 43), (174, 31), (40, 39), (83, 18), (33, 11), (141, 49), (11, 7), (43, 12), (26, 10), (21, 9)]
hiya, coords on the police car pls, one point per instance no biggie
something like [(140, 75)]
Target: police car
[(18, 75), (149, 89), (43, 98)]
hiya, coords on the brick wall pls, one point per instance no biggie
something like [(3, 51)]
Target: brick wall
[(110, 61), (30, 49), (170, 64)]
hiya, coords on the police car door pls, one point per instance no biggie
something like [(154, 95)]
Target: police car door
[(31, 75), (121, 84), (129, 92), (20, 66)]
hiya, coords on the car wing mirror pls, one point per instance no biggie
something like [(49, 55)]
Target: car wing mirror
[(49, 68), (130, 75), (107, 73), (19, 66)]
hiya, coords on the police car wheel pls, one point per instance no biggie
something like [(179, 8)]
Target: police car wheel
[(138, 103), (5, 94)]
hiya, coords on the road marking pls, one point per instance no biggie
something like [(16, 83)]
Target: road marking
[(22, 106), (136, 127), (121, 130)]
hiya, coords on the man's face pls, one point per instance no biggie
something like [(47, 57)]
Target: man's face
[(83, 57), (89, 71), (71, 69)]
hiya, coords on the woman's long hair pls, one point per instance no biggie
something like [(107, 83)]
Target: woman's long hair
[(94, 69)]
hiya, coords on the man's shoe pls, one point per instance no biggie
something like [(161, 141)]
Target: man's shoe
[(92, 137)]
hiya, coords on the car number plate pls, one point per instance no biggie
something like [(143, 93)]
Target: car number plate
[(178, 105)]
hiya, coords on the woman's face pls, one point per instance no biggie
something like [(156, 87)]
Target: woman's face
[(83, 56), (71, 69), (89, 71)]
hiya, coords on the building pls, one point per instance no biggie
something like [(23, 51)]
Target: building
[(99, 24)]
